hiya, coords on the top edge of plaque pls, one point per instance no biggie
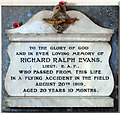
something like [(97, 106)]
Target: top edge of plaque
[(38, 30)]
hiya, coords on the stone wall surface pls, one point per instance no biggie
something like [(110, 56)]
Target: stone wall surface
[(104, 16)]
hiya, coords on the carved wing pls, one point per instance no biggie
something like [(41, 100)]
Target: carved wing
[(69, 21), (61, 22), (54, 21)]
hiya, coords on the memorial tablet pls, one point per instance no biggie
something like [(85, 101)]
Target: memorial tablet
[(59, 65)]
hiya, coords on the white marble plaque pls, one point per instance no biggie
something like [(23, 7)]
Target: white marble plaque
[(59, 69)]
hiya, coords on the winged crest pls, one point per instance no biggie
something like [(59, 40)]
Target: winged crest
[(60, 20)]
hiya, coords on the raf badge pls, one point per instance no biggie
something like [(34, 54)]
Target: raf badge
[(60, 19)]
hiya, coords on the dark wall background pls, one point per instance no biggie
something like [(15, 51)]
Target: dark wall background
[(104, 16)]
